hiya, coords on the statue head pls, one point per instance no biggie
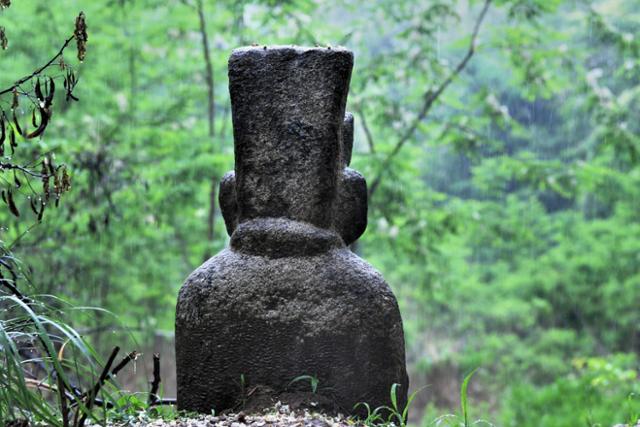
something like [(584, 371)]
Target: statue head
[(292, 142)]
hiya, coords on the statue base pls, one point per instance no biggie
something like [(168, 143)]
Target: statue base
[(287, 300)]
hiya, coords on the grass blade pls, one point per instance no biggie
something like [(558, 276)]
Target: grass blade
[(464, 397)]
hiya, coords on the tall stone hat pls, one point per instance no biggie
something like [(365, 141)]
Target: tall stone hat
[(288, 298)]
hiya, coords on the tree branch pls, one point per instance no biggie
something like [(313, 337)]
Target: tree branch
[(39, 70), (9, 166), (208, 67), (211, 217), (367, 131), (429, 99)]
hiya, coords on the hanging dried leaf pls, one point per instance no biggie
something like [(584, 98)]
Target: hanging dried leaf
[(16, 180), (81, 36), (5, 3)]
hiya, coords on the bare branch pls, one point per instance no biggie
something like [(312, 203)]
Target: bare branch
[(155, 384), (367, 131), (429, 99), (8, 166), (211, 217), (39, 70), (128, 358), (106, 375), (208, 67), (93, 393)]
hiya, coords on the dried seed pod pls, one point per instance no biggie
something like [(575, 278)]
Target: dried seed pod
[(44, 122), (17, 124), (5, 3), (45, 179), (16, 180), (42, 205), (66, 180), (52, 90), (12, 205), (4, 42), (38, 90), (70, 82), (3, 134), (56, 184), (12, 140), (52, 168), (34, 208), (16, 102), (81, 36)]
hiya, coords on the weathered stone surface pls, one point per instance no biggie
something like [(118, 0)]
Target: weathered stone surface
[(288, 298), (288, 106), (273, 319)]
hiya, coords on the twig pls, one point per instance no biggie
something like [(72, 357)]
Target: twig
[(129, 357), (96, 388), (155, 384), (429, 99), (39, 70), (109, 375)]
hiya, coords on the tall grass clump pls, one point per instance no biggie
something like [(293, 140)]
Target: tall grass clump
[(48, 373)]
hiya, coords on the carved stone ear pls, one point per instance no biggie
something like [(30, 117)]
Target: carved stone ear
[(227, 200), (350, 215), (347, 138)]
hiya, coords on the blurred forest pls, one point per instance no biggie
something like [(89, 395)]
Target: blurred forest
[(503, 210)]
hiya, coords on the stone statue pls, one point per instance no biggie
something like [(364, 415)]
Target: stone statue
[(288, 298)]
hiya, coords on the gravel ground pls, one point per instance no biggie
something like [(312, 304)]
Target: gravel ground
[(280, 415)]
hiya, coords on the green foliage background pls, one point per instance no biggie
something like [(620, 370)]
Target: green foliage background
[(507, 224)]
